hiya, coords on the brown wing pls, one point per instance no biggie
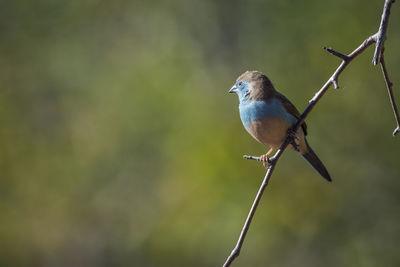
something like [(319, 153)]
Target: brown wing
[(291, 109)]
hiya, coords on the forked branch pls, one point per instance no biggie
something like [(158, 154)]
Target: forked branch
[(377, 38)]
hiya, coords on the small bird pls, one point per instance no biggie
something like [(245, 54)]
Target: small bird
[(269, 117)]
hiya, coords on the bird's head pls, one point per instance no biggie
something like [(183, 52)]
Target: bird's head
[(252, 85), (242, 88)]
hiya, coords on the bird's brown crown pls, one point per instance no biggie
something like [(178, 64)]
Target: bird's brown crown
[(262, 87)]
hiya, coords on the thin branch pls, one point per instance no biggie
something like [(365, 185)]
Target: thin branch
[(336, 53), (236, 251), (381, 35), (252, 157), (333, 80), (389, 85)]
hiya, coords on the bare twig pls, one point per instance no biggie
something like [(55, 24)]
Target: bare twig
[(380, 38), (252, 157), (333, 80), (236, 251), (389, 85), (336, 53), (381, 34)]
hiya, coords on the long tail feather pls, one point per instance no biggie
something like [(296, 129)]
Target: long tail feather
[(316, 163)]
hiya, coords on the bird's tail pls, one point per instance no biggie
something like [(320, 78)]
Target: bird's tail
[(315, 162)]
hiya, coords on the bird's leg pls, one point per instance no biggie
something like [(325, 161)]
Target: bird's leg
[(265, 158), (293, 136)]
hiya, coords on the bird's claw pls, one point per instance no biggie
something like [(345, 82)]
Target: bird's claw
[(292, 133), (265, 160), (295, 146)]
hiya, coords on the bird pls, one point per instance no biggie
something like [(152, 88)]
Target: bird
[(268, 116)]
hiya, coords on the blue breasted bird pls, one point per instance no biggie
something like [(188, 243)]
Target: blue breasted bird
[(269, 116)]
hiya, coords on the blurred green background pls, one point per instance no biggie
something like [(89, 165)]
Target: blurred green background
[(120, 146)]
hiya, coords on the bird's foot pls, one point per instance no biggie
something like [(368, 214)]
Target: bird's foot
[(294, 139), (292, 133), (295, 146), (265, 160)]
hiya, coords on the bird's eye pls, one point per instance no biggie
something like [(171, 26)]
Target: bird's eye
[(240, 84)]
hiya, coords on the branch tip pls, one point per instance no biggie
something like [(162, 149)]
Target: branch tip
[(335, 83), (336, 53), (396, 131), (251, 157)]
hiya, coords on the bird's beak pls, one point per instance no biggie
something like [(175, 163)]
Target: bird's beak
[(233, 90)]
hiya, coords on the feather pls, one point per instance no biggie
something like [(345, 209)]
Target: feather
[(291, 109)]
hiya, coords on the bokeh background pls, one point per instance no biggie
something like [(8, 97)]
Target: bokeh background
[(120, 146)]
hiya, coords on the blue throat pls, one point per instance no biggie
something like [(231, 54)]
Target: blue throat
[(252, 110)]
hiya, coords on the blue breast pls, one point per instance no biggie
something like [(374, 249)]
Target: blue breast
[(257, 110)]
